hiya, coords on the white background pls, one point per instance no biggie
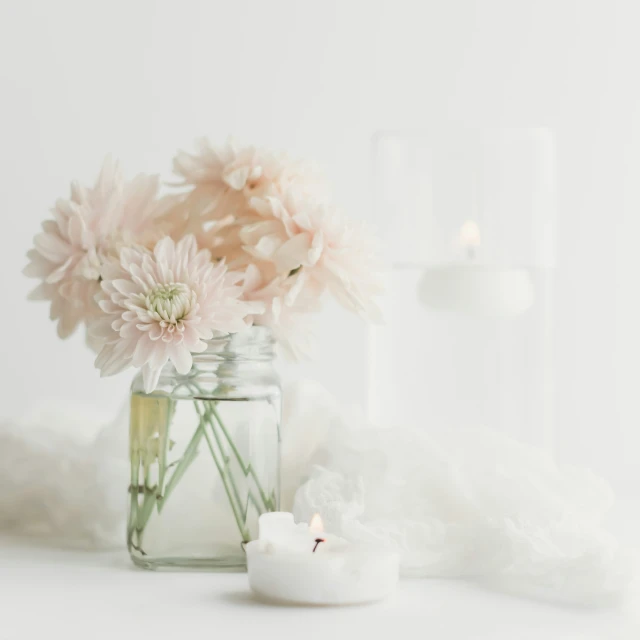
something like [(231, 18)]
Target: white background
[(142, 79)]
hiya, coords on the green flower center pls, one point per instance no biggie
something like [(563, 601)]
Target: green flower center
[(170, 302)]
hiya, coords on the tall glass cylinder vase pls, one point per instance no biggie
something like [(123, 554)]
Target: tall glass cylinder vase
[(468, 222), (204, 453)]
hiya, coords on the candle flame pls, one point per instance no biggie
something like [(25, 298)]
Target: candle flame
[(469, 234), (316, 523)]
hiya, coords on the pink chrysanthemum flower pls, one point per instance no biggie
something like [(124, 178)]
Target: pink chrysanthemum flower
[(87, 230), (286, 308), (222, 181), (163, 305), (236, 173), (310, 239)]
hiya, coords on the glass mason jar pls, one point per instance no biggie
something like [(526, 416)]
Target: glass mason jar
[(205, 460)]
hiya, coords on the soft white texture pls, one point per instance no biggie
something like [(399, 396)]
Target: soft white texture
[(63, 473), (476, 505)]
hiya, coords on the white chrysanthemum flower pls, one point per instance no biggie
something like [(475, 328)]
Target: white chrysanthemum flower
[(236, 171), (286, 308), (302, 236), (163, 305), (88, 229), (222, 181)]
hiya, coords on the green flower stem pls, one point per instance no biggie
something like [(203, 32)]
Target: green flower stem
[(247, 469), (133, 489), (139, 516), (225, 458), (250, 497), (227, 480), (158, 495), (269, 502), (148, 503), (164, 446), (183, 464)]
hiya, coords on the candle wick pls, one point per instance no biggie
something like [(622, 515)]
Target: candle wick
[(317, 541)]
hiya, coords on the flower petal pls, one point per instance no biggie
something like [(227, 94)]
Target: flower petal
[(181, 358), (293, 253)]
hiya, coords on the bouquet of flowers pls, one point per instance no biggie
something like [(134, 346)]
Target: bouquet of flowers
[(245, 237)]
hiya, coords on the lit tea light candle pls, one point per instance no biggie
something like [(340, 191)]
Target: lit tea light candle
[(302, 564), (474, 288)]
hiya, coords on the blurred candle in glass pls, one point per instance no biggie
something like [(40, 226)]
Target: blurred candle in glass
[(476, 288), (467, 219)]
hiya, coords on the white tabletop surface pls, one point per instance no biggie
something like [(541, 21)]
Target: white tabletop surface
[(55, 593)]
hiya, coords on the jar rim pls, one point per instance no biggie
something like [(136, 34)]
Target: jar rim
[(255, 342), (254, 334)]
